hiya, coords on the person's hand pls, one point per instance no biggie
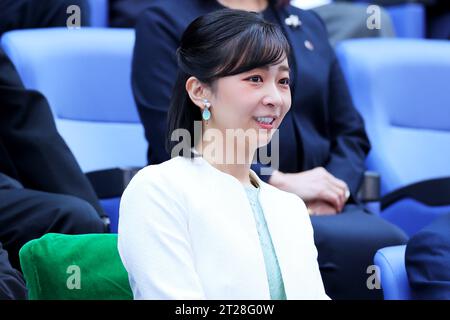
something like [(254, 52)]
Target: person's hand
[(320, 208), (313, 185)]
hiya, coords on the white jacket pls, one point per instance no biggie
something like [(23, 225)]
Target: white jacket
[(187, 231)]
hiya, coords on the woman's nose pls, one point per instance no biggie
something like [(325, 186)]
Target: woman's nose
[(273, 96)]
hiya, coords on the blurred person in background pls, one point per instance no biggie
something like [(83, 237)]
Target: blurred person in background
[(42, 188), (343, 20), (427, 260), (348, 20)]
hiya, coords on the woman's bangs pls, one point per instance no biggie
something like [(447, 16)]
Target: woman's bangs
[(260, 46)]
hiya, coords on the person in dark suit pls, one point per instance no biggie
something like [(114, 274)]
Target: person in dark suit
[(123, 13), (25, 14), (12, 285), (322, 141), (42, 188), (343, 20), (427, 260)]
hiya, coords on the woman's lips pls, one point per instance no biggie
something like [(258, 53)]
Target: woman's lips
[(265, 125)]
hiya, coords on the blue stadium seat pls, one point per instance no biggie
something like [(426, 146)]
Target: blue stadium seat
[(401, 88), (392, 272), (85, 75), (408, 19), (99, 13)]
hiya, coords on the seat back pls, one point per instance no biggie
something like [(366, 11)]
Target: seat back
[(74, 267), (99, 13), (408, 19), (85, 75), (401, 89), (392, 272)]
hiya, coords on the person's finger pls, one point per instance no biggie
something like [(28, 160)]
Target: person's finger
[(342, 186), (326, 213), (331, 197), (341, 195), (323, 208), (347, 194), (338, 182), (339, 192)]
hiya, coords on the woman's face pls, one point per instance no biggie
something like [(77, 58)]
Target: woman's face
[(255, 101)]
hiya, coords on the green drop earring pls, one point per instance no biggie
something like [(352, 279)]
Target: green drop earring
[(206, 114)]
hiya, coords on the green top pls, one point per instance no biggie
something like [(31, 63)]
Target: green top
[(276, 285)]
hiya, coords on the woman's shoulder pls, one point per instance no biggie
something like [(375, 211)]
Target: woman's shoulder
[(164, 172), (166, 182)]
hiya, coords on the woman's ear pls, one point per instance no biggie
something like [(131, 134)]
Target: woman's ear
[(197, 91)]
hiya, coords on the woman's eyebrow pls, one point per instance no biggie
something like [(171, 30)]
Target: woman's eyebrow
[(284, 68), (280, 68)]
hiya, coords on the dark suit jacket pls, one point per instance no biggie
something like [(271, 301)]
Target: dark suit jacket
[(25, 14), (123, 13), (12, 285), (31, 150), (321, 129), (427, 260)]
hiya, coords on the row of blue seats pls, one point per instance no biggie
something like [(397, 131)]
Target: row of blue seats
[(399, 86), (408, 19), (401, 89)]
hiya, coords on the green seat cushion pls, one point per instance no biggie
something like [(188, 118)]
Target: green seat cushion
[(67, 267)]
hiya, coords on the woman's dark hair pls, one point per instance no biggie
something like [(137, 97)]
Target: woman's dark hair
[(222, 43)]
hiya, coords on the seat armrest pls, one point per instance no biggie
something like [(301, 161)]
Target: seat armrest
[(110, 183), (432, 192), (370, 187)]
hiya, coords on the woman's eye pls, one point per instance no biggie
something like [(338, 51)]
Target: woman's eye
[(285, 81), (255, 79)]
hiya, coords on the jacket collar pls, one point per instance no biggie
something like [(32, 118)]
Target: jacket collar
[(200, 159)]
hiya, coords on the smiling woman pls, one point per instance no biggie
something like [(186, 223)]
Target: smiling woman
[(322, 140), (193, 228), (241, 72)]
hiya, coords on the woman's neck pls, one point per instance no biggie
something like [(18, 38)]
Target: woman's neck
[(247, 5), (233, 162)]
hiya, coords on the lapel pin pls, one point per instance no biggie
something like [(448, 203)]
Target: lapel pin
[(309, 45), (293, 21)]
